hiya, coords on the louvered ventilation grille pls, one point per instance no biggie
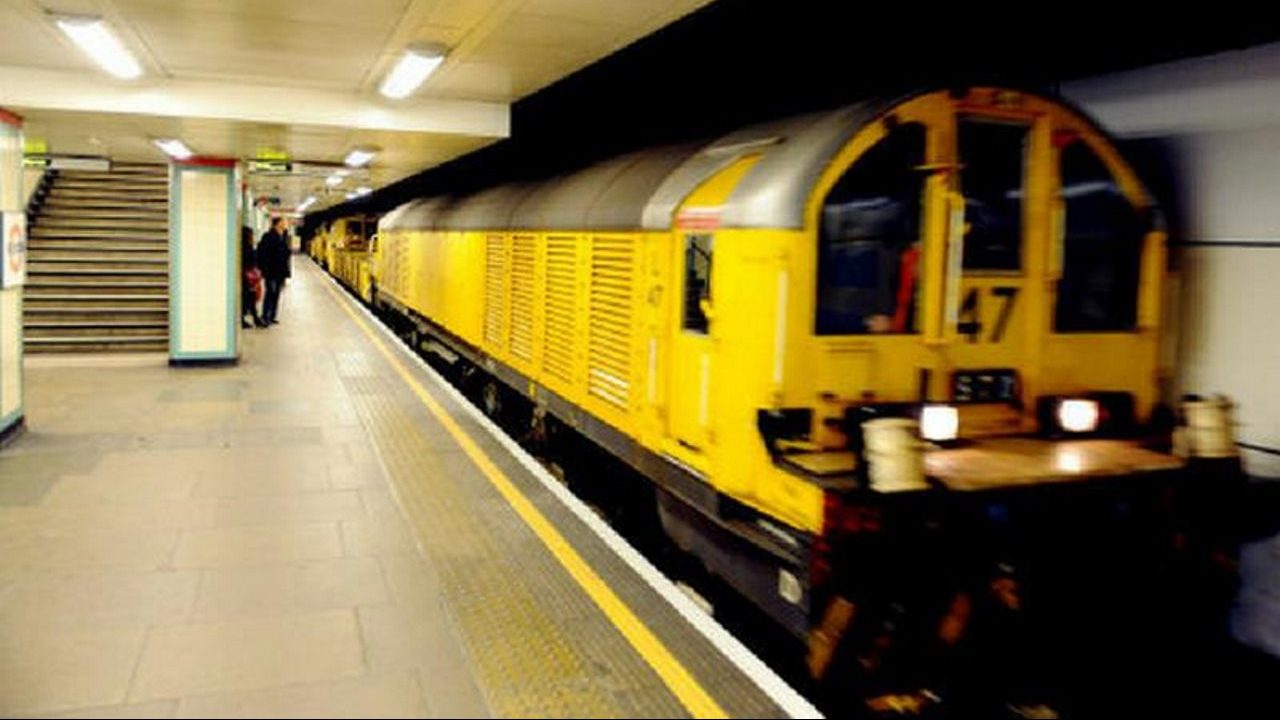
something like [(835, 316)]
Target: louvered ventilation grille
[(495, 291), (560, 301), (609, 320)]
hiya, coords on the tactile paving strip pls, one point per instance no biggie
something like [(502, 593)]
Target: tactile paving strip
[(521, 618)]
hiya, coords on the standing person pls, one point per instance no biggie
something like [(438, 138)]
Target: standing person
[(273, 259), (250, 280)]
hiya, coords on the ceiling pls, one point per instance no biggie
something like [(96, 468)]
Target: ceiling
[(239, 78)]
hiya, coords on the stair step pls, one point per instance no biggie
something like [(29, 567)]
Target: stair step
[(67, 179), (43, 268), (96, 314), (100, 228), (122, 188), (114, 174), (93, 301), (160, 213), (60, 219), (139, 348), (163, 173), (117, 197), (95, 344), (122, 291), (39, 232), (98, 203), (131, 260), (67, 331), (108, 190), (125, 183), (96, 245), (97, 321), (131, 166), (97, 256), (105, 281)]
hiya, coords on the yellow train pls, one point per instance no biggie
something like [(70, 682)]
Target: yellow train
[(748, 322), (344, 247)]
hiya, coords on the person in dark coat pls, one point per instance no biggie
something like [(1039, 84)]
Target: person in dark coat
[(274, 261), (250, 280)]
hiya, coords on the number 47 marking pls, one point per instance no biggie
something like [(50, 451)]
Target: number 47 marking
[(970, 320)]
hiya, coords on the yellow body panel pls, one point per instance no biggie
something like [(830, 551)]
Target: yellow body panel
[(598, 317)]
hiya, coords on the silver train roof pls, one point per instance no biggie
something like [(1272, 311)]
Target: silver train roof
[(642, 190)]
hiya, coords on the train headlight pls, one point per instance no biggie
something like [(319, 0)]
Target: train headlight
[(1078, 416), (939, 423)]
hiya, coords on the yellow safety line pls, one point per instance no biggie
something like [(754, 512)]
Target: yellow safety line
[(677, 678)]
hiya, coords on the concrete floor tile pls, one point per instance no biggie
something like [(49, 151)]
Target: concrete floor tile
[(413, 581), (250, 482), (54, 668), (103, 489), (156, 709), (98, 598), (453, 697), (257, 545), (297, 588), (282, 509), (379, 503), (393, 695), (248, 655), (377, 537), (397, 637), (87, 549)]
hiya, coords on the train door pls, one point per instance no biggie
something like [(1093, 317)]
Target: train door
[(691, 392), (691, 366), (1002, 181)]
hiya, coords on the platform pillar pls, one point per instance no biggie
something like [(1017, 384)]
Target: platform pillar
[(204, 263), (13, 261)]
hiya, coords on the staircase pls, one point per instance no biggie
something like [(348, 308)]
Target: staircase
[(98, 263)]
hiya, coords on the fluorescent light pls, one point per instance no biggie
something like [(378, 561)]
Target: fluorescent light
[(335, 179), (360, 157), (174, 148), (98, 42), (418, 62), (311, 199), (363, 190)]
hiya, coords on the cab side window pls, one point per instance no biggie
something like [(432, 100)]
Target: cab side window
[(869, 240), (697, 281)]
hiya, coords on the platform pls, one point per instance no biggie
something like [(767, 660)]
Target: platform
[(322, 530)]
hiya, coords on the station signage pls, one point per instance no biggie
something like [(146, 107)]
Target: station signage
[(270, 166), (13, 250)]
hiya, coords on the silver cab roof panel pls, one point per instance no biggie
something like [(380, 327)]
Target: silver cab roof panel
[(774, 193), (764, 137)]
